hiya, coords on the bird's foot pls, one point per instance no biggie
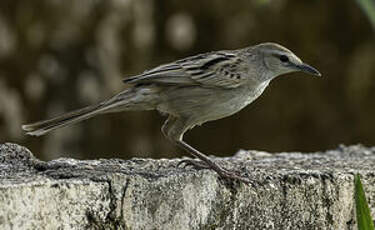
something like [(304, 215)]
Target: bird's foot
[(223, 173), (194, 163), (232, 175)]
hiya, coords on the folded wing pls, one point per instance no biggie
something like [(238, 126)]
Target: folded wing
[(215, 69)]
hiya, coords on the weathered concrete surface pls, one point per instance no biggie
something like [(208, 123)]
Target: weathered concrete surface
[(291, 191)]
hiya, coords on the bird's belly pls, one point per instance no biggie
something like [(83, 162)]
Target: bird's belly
[(199, 105), (231, 103)]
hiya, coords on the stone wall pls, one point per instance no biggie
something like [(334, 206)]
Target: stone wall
[(290, 191)]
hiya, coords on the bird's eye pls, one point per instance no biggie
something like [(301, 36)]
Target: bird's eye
[(284, 58)]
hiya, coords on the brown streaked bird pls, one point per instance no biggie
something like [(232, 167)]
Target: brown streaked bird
[(192, 91)]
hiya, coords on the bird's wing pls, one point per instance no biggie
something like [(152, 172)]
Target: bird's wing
[(215, 69)]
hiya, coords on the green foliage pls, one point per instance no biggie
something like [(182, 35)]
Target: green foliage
[(364, 220), (368, 6)]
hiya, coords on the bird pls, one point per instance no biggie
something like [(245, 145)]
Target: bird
[(192, 91)]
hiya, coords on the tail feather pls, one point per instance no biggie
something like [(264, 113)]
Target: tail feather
[(142, 99), (42, 127)]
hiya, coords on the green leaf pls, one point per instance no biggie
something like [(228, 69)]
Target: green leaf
[(364, 219), (368, 6)]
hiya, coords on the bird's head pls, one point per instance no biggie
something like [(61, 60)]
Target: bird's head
[(277, 60)]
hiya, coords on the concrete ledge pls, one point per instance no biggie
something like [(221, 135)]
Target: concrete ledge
[(291, 191)]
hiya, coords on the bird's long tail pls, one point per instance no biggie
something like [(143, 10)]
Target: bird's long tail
[(42, 127), (127, 100)]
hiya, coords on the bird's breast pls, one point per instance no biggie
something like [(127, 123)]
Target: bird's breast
[(231, 101), (252, 92)]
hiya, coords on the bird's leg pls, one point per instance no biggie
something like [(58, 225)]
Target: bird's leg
[(205, 163), (209, 163), (174, 129)]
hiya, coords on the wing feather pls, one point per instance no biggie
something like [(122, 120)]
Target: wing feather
[(215, 69)]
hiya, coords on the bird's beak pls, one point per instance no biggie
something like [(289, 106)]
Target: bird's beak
[(308, 69)]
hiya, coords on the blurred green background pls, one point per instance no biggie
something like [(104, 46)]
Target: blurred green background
[(60, 55)]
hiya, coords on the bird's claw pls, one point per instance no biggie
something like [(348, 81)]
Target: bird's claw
[(230, 176), (223, 173), (194, 163)]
